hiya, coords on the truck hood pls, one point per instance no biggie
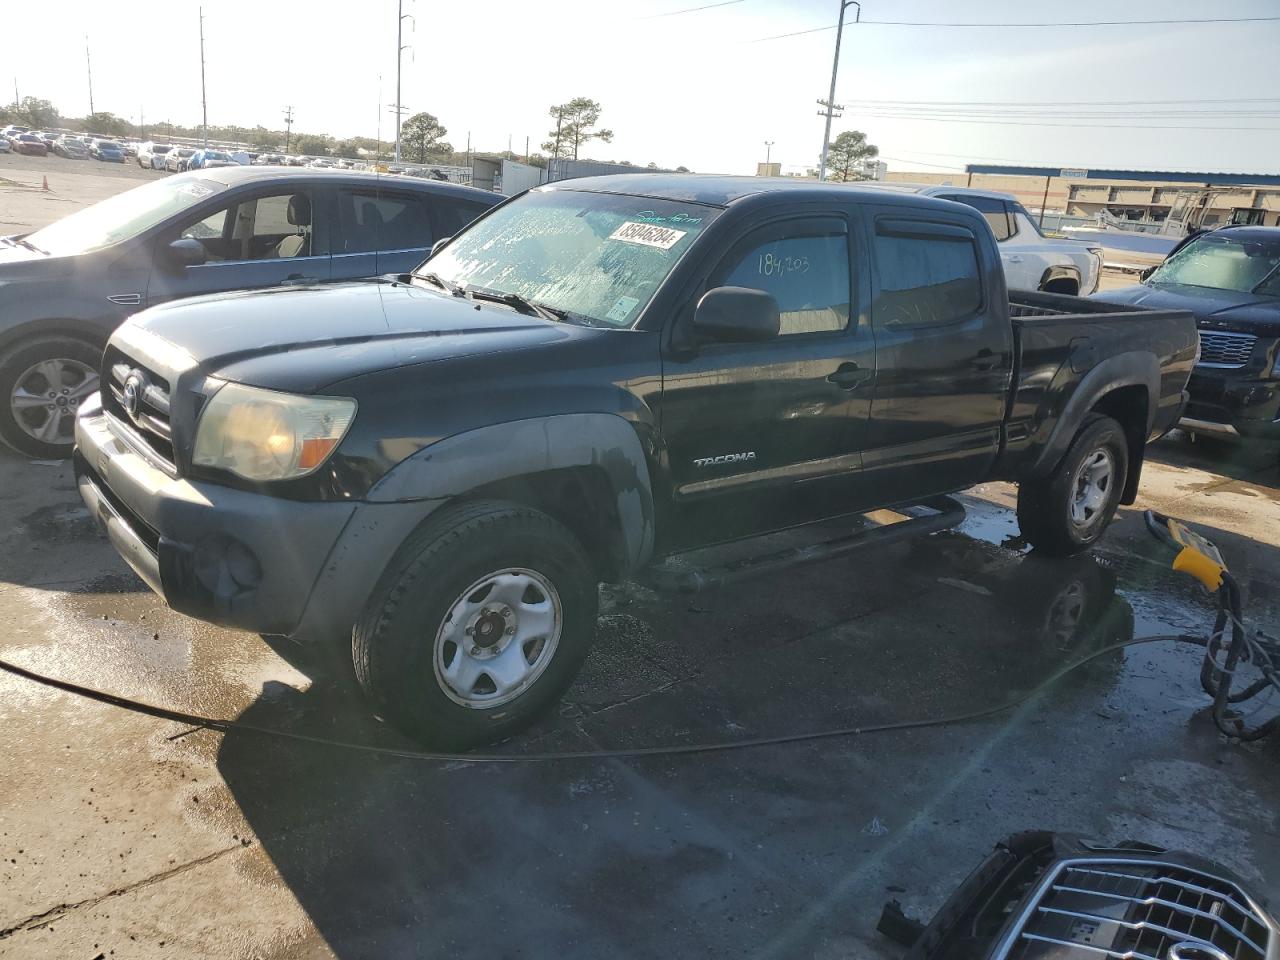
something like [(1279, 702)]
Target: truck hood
[(301, 339), (1213, 309)]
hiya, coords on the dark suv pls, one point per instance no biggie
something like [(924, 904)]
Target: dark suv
[(63, 289), (1230, 280)]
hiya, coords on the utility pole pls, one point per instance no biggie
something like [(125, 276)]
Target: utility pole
[(204, 100), (142, 122), (468, 148), (555, 154), (88, 63), (831, 108), (400, 48), (526, 149), (16, 102), (768, 151), (288, 126)]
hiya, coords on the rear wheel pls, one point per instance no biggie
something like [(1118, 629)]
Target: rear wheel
[(1067, 511), (43, 382), (479, 624)]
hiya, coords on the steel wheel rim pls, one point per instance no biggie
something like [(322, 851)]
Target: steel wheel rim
[(1092, 488), (46, 396), (497, 638)]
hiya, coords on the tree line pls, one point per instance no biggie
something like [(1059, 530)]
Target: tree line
[(422, 136)]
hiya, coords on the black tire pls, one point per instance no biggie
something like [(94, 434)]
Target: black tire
[(1045, 505), (394, 643), (14, 368)]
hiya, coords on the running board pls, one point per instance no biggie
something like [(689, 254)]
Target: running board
[(948, 513)]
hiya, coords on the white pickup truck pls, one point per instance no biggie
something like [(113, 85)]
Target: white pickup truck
[(1031, 260)]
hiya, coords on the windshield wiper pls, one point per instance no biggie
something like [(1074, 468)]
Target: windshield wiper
[(442, 284), (519, 303), (23, 242)]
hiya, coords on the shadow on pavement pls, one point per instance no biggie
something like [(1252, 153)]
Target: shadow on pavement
[(708, 855), (1253, 461)]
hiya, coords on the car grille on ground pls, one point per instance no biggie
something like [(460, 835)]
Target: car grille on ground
[(1138, 909), (148, 416), (1223, 349)]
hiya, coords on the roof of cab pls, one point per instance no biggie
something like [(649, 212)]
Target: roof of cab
[(232, 176), (716, 190)]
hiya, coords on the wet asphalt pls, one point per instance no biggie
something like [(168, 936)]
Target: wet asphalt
[(126, 836)]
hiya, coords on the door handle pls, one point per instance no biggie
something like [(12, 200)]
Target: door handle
[(849, 375), (984, 359)]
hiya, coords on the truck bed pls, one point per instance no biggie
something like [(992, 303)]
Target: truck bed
[(1059, 340)]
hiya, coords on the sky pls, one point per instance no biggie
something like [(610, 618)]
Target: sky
[(696, 88)]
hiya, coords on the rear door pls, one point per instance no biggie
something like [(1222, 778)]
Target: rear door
[(763, 435), (259, 238), (1023, 267), (944, 350), (380, 231)]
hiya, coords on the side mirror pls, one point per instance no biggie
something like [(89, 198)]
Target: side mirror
[(187, 252), (439, 245), (736, 315), (1145, 275)]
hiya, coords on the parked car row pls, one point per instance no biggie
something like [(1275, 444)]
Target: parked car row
[(70, 146)]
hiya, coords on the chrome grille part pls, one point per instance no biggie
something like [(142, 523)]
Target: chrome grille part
[(1219, 348), (1139, 909), (138, 399)]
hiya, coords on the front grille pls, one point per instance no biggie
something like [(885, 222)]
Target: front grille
[(148, 415), (1138, 909), (1223, 349)]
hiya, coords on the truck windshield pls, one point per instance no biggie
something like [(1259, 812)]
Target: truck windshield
[(1225, 263), (121, 217), (594, 255)]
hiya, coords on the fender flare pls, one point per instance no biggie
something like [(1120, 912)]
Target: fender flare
[(458, 464), (1135, 369), (1062, 271)]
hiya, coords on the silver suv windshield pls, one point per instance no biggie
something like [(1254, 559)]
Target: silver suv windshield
[(121, 217), (594, 255)]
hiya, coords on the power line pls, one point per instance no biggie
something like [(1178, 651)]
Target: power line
[(676, 13), (1075, 23), (1063, 103), (1038, 123)]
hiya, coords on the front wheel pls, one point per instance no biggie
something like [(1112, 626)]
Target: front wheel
[(480, 623), (43, 382), (1068, 510)]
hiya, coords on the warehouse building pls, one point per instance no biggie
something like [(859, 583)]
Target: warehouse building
[(1138, 196)]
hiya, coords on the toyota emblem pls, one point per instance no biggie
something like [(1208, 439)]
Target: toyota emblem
[(132, 399)]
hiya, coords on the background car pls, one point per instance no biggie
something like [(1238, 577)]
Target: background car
[(4, 146), (107, 151), (11, 131), (130, 148), (71, 148), (176, 160), (64, 288), (29, 144), (205, 159), (151, 155), (1230, 279)]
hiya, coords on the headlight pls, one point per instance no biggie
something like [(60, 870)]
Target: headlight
[(264, 435)]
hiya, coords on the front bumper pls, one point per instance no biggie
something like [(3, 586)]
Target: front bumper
[(232, 557), (1230, 403)]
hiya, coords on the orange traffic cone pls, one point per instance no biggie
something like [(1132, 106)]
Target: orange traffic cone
[(45, 186)]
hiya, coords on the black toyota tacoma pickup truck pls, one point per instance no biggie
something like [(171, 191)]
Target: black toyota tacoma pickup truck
[(440, 467)]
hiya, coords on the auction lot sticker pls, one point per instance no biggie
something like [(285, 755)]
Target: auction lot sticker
[(664, 238)]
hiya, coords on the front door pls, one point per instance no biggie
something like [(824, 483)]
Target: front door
[(944, 350), (764, 435), (257, 240)]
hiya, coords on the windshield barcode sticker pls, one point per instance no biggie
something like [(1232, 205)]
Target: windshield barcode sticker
[(664, 238)]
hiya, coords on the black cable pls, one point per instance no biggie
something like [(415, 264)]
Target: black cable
[(229, 726), (1078, 23)]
